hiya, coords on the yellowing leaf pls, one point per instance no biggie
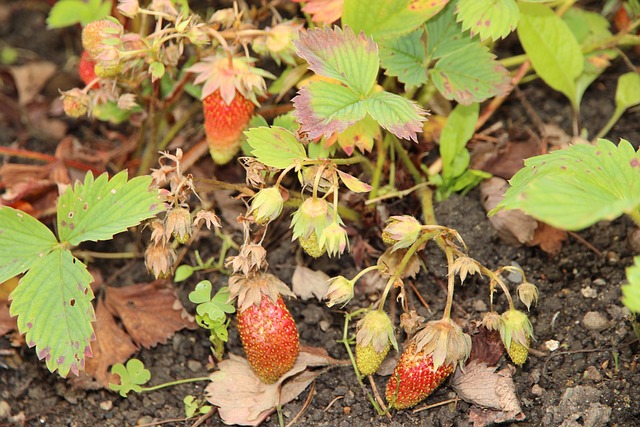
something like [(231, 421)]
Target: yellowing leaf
[(353, 183)]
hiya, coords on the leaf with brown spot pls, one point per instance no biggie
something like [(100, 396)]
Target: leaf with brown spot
[(150, 312)]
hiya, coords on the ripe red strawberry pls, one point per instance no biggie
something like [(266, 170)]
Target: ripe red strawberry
[(414, 378), (270, 338), (224, 124), (86, 69)]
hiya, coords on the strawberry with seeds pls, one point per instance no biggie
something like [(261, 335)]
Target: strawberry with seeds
[(229, 97)]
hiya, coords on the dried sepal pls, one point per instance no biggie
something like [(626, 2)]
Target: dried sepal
[(178, 223), (159, 260), (249, 289), (390, 260), (376, 328), (252, 258), (464, 266), (209, 218), (528, 294), (446, 341)]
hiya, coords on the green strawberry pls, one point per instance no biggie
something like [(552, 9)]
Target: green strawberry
[(518, 353), (368, 360), (311, 247)]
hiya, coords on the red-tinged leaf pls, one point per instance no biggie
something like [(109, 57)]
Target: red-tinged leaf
[(150, 312), (361, 135), (324, 108), (396, 114), (341, 55), (322, 11), (353, 183)]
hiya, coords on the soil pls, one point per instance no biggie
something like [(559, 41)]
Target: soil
[(591, 380)]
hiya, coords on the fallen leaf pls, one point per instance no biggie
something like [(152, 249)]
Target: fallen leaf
[(243, 399), (112, 345), (481, 385), (31, 78), (513, 226), (549, 238), (7, 323), (150, 312), (486, 347), (307, 283), (507, 157)]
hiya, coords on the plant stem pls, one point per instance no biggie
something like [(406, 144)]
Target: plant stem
[(105, 255), (451, 278), (363, 272), (381, 148), (612, 121), (177, 127), (172, 383)]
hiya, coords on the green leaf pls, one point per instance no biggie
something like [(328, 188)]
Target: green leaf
[(577, 187), (96, 9), (552, 48), (341, 55), (23, 240), (53, 305), (470, 74), (631, 291), (398, 115), (100, 208), (216, 307), (444, 34), (275, 146), (490, 19), (131, 377), (587, 27), (628, 91), (384, 18), (156, 69), (183, 272), (324, 108), (65, 13), (353, 183), (404, 57), (361, 135), (456, 133)]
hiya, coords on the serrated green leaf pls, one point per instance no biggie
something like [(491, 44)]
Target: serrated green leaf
[(53, 305), (456, 133), (398, 115), (23, 240), (444, 34), (98, 209), (587, 27), (574, 188), (132, 376), (96, 9), (628, 91), (324, 108), (156, 69), (551, 47), (275, 146), (470, 74), (65, 13), (631, 291), (384, 18), (287, 121), (361, 135), (490, 19), (341, 55), (404, 57)]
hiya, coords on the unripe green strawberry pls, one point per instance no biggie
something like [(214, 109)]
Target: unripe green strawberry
[(518, 353), (311, 247), (368, 360), (269, 337), (224, 124), (108, 71), (414, 378)]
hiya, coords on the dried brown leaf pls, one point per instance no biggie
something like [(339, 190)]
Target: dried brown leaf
[(549, 238), (513, 226), (31, 78), (486, 347), (112, 345), (150, 312), (307, 283), (7, 323), (480, 385), (243, 399)]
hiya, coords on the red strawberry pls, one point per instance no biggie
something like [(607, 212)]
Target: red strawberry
[(270, 338), (224, 124), (414, 378), (86, 69)]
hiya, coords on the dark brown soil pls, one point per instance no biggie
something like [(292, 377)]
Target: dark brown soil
[(591, 380)]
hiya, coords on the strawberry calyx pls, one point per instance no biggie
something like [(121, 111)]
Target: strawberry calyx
[(250, 289), (515, 326), (445, 340)]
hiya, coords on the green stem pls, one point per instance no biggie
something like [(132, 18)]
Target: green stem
[(612, 121), (403, 264), (450, 283), (363, 272), (177, 127), (172, 383), (406, 160), (381, 147), (105, 255), (513, 61)]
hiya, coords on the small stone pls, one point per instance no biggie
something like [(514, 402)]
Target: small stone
[(536, 390), (106, 405), (634, 240), (325, 325), (612, 257), (194, 365), (599, 282), (5, 409), (480, 306), (589, 292), (347, 410), (147, 419), (551, 345), (593, 374), (595, 321)]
